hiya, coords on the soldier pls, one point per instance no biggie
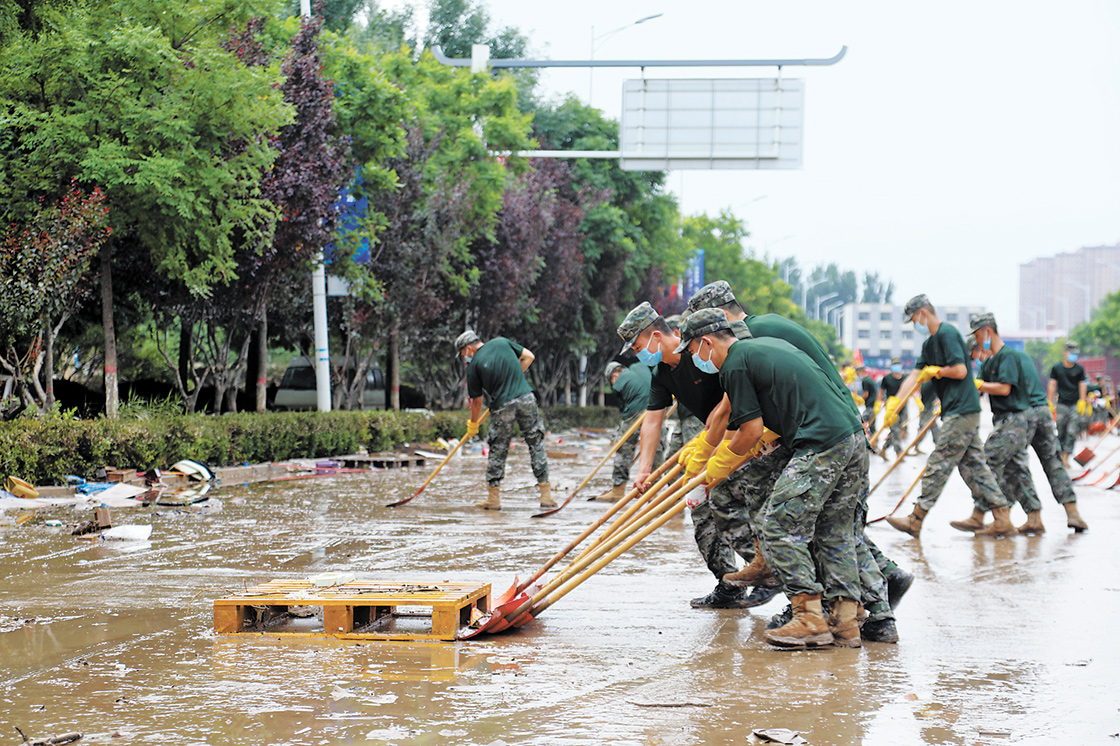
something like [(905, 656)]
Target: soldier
[(811, 512), (675, 376), (687, 425), (631, 385), (497, 368), (945, 360), (1010, 380), (1067, 381), (869, 391), (888, 395), (737, 509)]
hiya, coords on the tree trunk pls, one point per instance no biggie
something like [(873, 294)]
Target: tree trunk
[(186, 342), (111, 400), (48, 363), (262, 361), (395, 368)]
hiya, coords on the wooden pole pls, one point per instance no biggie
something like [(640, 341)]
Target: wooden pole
[(443, 463)]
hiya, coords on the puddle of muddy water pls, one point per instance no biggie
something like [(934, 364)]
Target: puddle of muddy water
[(117, 639)]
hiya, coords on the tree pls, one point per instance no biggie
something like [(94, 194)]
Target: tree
[(44, 273), (143, 101)]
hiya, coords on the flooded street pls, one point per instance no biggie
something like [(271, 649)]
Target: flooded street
[(1002, 641)]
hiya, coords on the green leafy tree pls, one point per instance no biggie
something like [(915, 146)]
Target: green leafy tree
[(142, 100)]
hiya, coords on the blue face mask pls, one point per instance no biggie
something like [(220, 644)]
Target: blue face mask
[(896, 368), (987, 344), (649, 358), (918, 327), (467, 359), (704, 366), (1072, 357)]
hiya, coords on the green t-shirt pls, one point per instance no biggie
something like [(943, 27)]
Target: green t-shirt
[(890, 385), (1005, 367), (946, 348), (770, 378), (774, 325), (870, 389), (696, 391), (1032, 385), (1068, 382), (632, 388), (496, 370)]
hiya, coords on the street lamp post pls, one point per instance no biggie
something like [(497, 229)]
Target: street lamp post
[(1065, 309), (821, 300), (828, 313), (604, 37), (805, 293)]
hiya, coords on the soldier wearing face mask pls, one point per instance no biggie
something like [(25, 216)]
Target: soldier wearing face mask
[(889, 387), (1067, 382), (945, 360)]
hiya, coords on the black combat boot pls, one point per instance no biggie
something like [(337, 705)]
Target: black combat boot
[(724, 596)]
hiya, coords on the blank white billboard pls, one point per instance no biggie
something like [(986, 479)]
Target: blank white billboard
[(745, 123)]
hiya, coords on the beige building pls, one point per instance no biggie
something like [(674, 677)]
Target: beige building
[(1056, 293), (879, 332)]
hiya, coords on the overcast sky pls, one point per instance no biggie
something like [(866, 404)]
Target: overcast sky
[(955, 140)]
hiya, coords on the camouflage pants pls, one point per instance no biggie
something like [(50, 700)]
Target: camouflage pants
[(923, 420), (811, 515), (958, 446), (688, 427), (714, 548), (624, 456), (524, 410), (873, 567), (898, 432), (1006, 454), (869, 415), (737, 501), (1067, 427), (1043, 443)]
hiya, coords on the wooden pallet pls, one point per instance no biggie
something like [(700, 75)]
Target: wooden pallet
[(381, 461), (358, 610)]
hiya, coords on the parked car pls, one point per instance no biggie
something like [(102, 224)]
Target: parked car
[(297, 387)]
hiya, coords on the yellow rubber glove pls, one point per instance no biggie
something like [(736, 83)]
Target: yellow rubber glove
[(722, 463), (858, 399), (1053, 410), (891, 416), (472, 429), (979, 383), (763, 444), (878, 406), (699, 460), (1082, 407), (690, 448), (921, 406), (849, 374), (928, 373)]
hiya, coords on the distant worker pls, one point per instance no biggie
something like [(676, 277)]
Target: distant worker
[(631, 385), (889, 389), (497, 369), (1021, 419), (869, 391), (945, 360), (1067, 383)]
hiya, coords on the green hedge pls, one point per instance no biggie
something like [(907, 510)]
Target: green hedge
[(44, 450)]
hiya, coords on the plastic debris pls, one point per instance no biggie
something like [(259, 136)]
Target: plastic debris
[(779, 735), (325, 579), (138, 532)]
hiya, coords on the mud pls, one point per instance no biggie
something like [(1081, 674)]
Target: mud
[(1003, 641)]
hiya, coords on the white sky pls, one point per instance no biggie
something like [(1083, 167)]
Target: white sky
[(955, 140)]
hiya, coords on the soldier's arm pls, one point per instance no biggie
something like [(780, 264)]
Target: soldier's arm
[(1051, 389), (1082, 391), (958, 371), (648, 442), (717, 421), (908, 384), (476, 408), (746, 436), (526, 359)]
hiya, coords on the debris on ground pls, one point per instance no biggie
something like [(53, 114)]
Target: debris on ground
[(779, 735)]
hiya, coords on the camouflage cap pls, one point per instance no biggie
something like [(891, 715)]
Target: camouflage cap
[(699, 323), (464, 339), (896, 361), (912, 305), (611, 368), (1071, 345), (674, 321), (711, 295), (635, 323), (971, 343), (980, 320)]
